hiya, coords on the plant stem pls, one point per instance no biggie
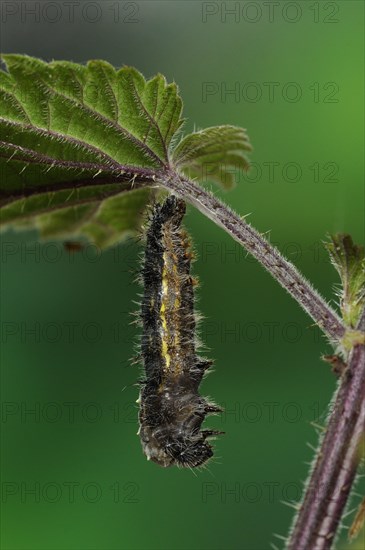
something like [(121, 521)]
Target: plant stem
[(337, 460), (269, 256), (335, 467)]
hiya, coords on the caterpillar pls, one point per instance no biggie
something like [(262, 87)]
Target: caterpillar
[(171, 409)]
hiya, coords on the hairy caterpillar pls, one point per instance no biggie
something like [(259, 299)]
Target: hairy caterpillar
[(171, 409)]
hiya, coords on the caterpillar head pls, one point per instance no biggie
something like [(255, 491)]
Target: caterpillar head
[(172, 436)]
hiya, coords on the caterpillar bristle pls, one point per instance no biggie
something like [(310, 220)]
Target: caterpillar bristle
[(171, 409)]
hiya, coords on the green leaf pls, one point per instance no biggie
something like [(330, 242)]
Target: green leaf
[(349, 260), (214, 153), (81, 144)]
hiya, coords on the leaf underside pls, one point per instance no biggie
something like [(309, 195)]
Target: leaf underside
[(82, 146), (216, 153)]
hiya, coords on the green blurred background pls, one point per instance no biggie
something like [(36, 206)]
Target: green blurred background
[(297, 72)]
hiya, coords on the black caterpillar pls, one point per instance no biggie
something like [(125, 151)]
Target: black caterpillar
[(171, 409)]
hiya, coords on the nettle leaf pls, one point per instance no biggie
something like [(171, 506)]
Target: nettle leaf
[(214, 154), (82, 146), (79, 142), (349, 260)]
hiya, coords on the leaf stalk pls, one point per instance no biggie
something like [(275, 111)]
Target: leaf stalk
[(268, 255)]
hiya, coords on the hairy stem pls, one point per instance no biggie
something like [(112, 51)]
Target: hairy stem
[(269, 256), (335, 467), (337, 460)]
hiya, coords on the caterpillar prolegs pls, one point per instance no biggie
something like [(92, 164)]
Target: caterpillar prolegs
[(171, 409)]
